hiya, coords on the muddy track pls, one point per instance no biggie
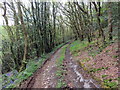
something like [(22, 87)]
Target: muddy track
[(75, 76), (45, 77)]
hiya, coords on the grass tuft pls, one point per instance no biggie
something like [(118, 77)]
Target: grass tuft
[(60, 71)]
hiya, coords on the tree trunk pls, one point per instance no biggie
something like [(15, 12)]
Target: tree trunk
[(25, 37), (110, 21), (101, 32)]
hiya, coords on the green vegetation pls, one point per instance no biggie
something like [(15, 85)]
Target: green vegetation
[(60, 83), (2, 31), (3, 35), (60, 71), (41, 26), (78, 45), (86, 59), (32, 66), (93, 49), (116, 56), (98, 69), (94, 52), (109, 83), (103, 76), (117, 78), (107, 51)]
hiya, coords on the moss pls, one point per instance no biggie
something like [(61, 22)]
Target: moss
[(109, 83), (116, 56), (103, 76), (86, 59)]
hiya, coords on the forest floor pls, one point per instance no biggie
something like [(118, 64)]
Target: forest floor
[(75, 74), (102, 66)]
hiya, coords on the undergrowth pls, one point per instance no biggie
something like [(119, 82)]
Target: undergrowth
[(17, 77), (76, 46), (15, 80)]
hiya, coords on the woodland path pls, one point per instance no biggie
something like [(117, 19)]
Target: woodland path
[(75, 76)]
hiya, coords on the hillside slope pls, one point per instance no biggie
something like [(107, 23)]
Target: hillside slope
[(100, 62)]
